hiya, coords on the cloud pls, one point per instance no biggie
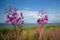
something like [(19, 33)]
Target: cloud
[(29, 13), (34, 15), (31, 16), (54, 15), (27, 8)]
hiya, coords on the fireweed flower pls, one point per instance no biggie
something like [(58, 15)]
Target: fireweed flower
[(14, 17), (45, 19), (42, 19), (9, 19)]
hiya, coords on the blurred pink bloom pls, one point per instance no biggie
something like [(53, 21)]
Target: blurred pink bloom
[(15, 15), (14, 19), (46, 18), (8, 19), (43, 19), (40, 21)]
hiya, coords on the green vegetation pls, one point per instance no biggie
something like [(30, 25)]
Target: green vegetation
[(28, 33)]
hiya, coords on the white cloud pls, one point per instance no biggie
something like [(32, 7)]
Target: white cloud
[(27, 8), (32, 15), (29, 13), (54, 15)]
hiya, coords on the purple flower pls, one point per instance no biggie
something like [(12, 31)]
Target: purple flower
[(15, 15), (45, 19), (40, 21)]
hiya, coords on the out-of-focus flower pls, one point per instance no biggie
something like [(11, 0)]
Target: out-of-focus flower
[(13, 16), (46, 19), (43, 19), (40, 21)]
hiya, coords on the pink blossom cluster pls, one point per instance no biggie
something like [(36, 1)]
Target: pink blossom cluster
[(43, 19), (13, 17)]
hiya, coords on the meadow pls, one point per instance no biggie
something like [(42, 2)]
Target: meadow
[(50, 32)]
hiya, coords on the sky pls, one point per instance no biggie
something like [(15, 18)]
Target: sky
[(30, 9)]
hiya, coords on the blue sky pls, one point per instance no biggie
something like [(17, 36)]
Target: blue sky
[(30, 9)]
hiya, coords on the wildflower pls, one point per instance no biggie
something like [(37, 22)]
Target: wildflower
[(43, 19)]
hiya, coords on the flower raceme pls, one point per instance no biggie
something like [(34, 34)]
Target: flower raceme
[(43, 18), (14, 18)]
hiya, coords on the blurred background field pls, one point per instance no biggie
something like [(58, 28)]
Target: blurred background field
[(28, 32)]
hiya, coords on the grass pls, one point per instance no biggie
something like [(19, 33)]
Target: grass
[(28, 33)]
